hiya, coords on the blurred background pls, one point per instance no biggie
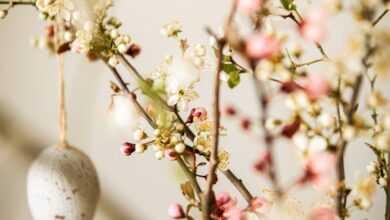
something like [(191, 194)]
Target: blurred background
[(139, 187)]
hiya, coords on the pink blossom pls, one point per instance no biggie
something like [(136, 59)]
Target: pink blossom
[(127, 148), (312, 27), (260, 205), (249, 6), (234, 213), (198, 113), (318, 169), (323, 213), (316, 86), (226, 208), (223, 198), (175, 211), (264, 161), (170, 154), (262, 46)]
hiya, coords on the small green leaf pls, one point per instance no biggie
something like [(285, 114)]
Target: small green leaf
[(234, 79), (288, 4)]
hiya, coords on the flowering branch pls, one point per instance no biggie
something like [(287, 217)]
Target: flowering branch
[(209, 196)]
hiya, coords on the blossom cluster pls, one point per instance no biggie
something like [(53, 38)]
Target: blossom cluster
[(322, 111)]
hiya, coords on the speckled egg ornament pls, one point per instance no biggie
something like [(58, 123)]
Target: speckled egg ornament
[(62, 183)]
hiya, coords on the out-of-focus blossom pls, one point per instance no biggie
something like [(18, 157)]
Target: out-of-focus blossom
[(318, 169), (262, 46), (249, 6), (316, 86), (363, 192), (124, 113), (176, 211), (260, 205), (263, 162), (62, 8), (323, 213), (313, 26), (182, 75), (226, 208), (290, 129)]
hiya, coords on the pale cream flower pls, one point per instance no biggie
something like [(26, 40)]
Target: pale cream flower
[(62, 8)]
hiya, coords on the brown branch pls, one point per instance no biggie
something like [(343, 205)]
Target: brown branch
[(342, 192), (17, 3), (209, 196), (268, 137), (191, 177)]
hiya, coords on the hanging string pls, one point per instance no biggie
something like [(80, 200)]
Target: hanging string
[(61, 98)]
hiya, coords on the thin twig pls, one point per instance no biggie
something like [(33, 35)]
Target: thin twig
[(379, 18), (17, 3), (191, 176)]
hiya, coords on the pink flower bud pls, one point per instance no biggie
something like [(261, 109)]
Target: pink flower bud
[(312, 27), (289, 86), (261, 46), (323, 213), (260, 205), (318, 170), (316, 86), (246, 124), (199, 113), (230, 111), (264, 161), (290, 129), (175, 211), (223, 198), (170, 154), (127, 149), (249, 6)]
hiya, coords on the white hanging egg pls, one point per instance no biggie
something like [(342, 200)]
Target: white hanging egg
[(62, 184)]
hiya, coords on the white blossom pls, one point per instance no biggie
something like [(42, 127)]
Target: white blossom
[(124, 113)]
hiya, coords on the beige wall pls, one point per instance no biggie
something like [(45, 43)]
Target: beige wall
[(133, 188)]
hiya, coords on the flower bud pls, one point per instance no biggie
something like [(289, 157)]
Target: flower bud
[(127, 149), (176, 211)]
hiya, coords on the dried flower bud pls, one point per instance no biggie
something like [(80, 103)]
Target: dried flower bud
[(134, 50), (289, 86), (290, 129)]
